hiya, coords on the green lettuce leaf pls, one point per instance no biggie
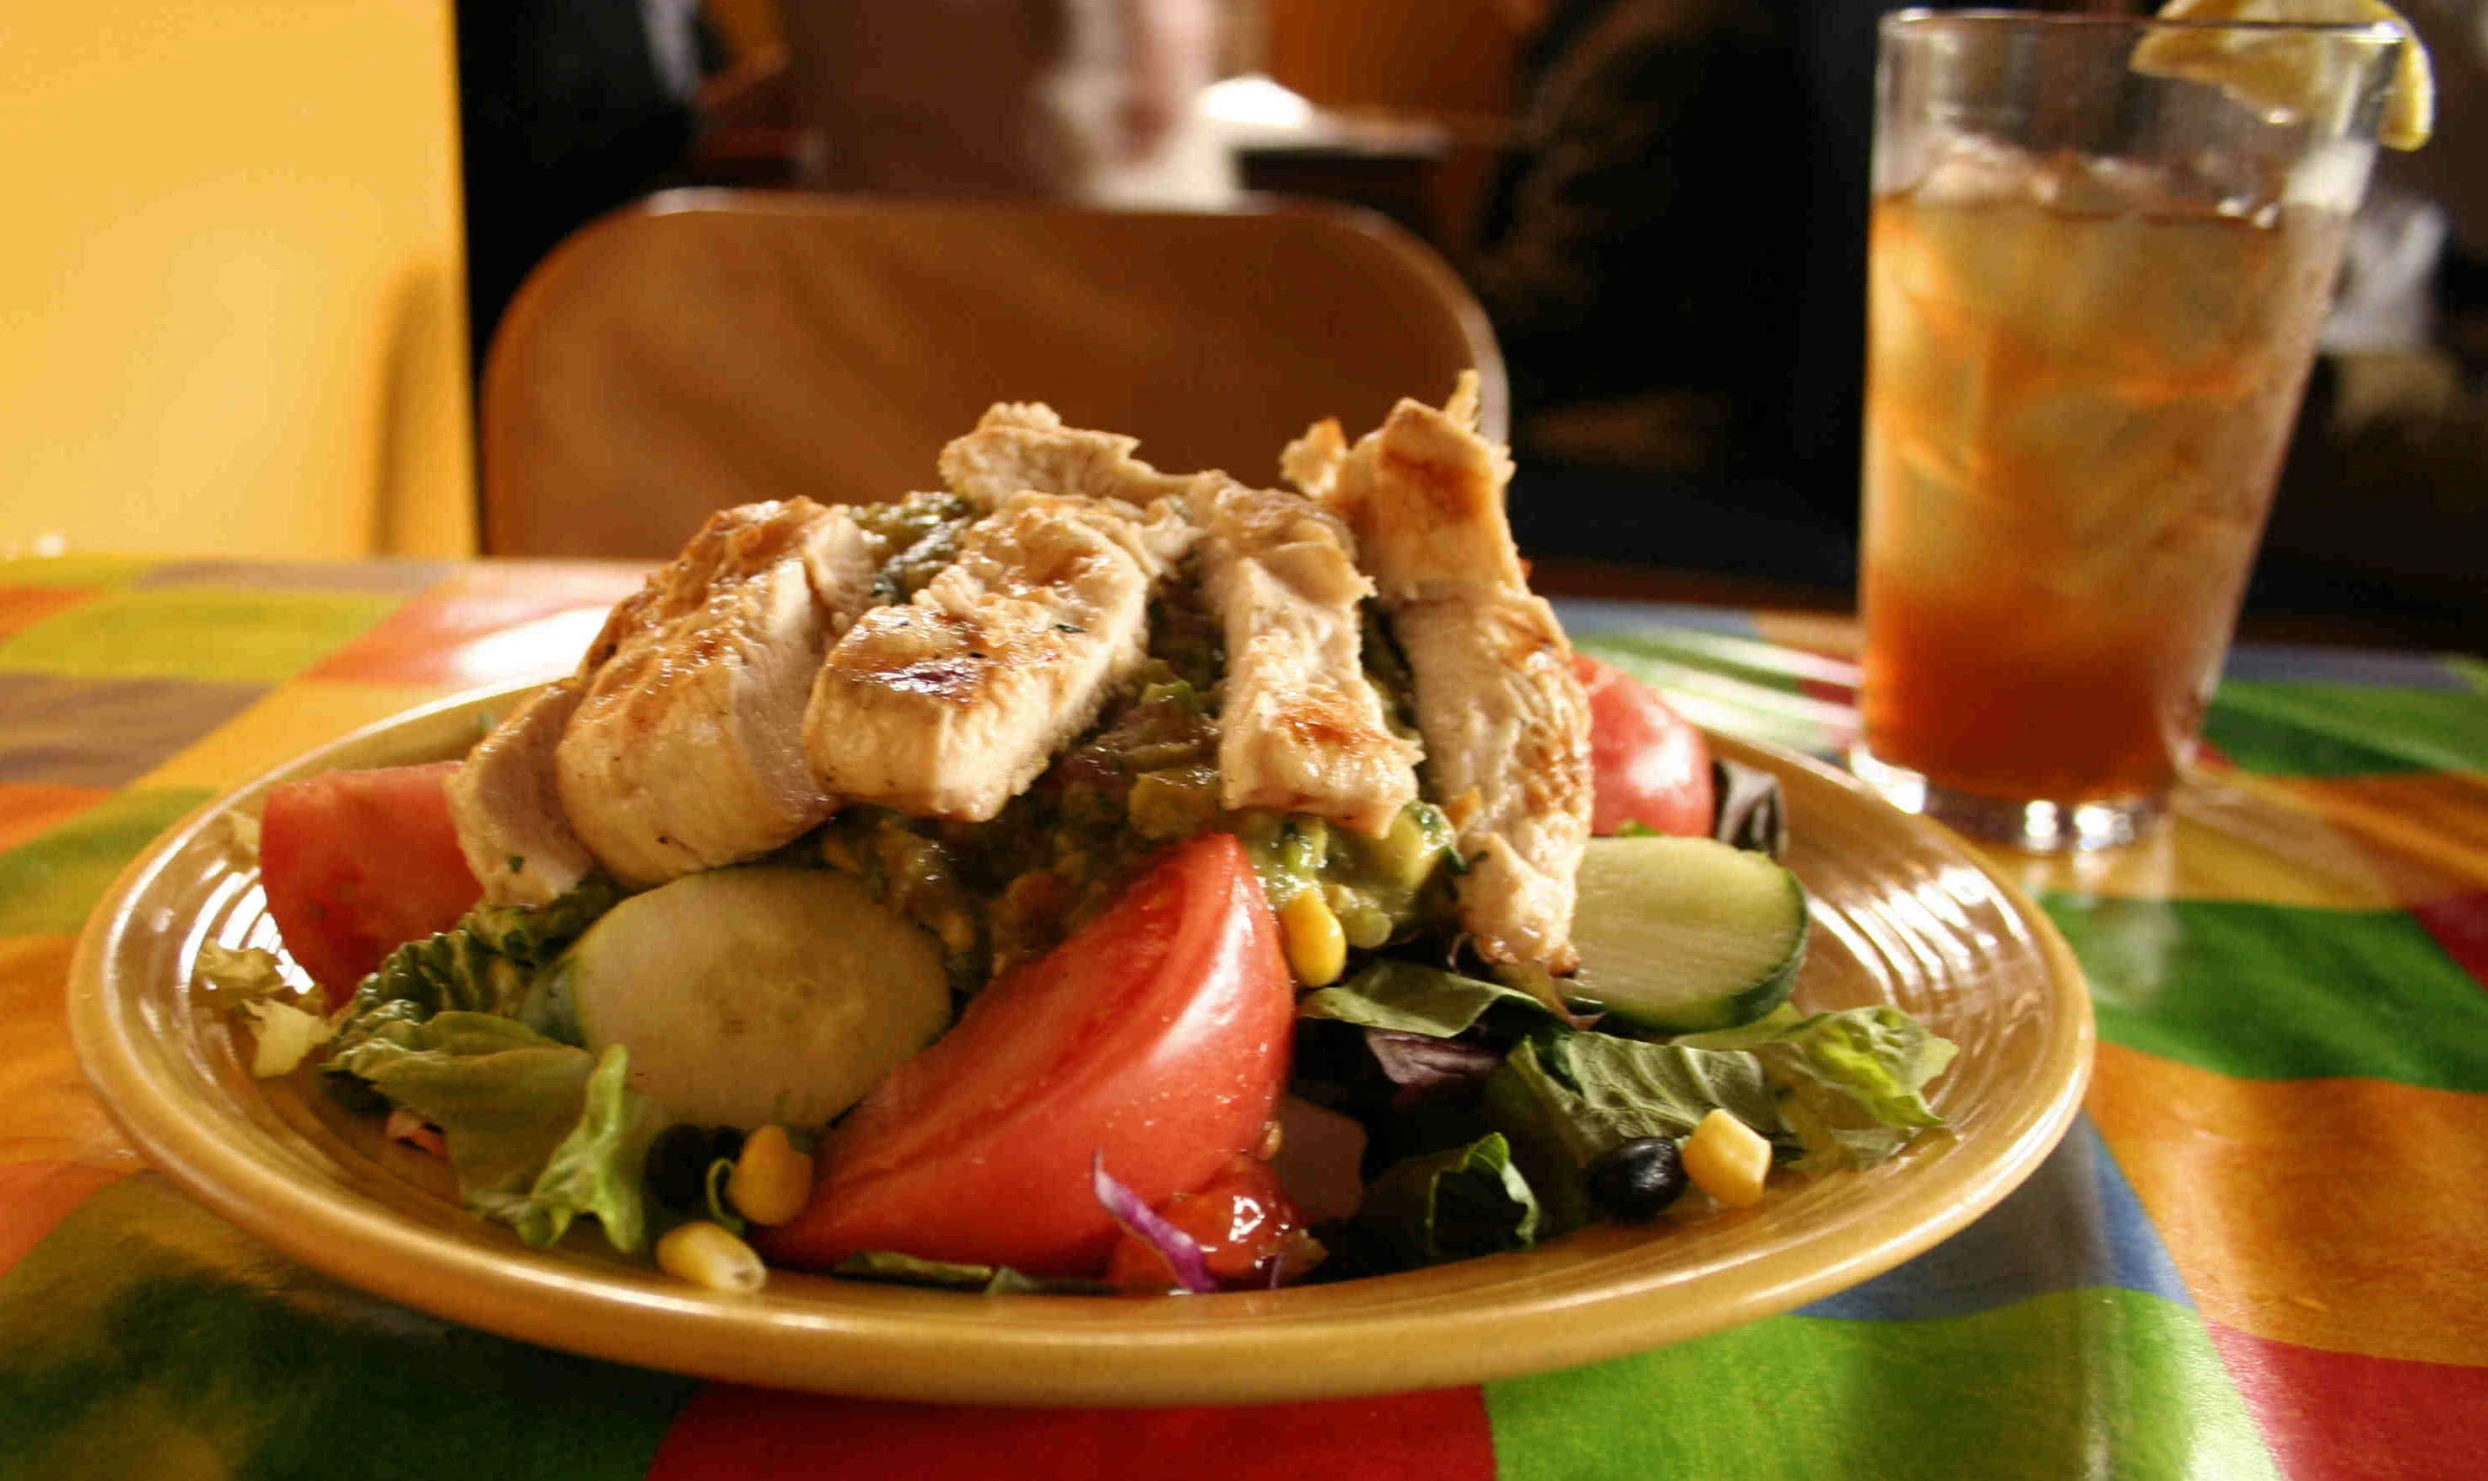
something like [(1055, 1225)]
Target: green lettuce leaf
[(1851, 1083), (487, 963), (503, 1095), (596, 1169), (1411, 998), (538, 1132), (1451, 1205)]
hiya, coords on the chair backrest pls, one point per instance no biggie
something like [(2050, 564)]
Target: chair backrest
[(706, 348)]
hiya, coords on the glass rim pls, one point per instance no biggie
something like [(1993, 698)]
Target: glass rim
[(1929, 18)]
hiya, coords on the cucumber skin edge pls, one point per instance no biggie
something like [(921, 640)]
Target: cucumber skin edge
[(1768, 992)]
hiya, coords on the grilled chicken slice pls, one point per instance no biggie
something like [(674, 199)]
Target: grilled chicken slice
[(1506, 725), (1020, 446), (686, 750), (508, 808), (1301, 728), (1506, 730), (950, 705)]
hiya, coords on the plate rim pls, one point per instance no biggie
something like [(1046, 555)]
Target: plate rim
[(888, 1344)]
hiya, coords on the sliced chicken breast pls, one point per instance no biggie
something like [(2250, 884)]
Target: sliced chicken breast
[(1505, 723), (951, 705), (1020, 446), (1301, 728), (686, 750), (508, 807), (1506, 729)]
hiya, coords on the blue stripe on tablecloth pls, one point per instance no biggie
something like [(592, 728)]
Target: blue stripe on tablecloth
[(1600, 614), (2280, 663), (2074, 1225)]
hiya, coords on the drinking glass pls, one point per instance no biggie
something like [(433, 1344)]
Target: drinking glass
[(2095, 290)]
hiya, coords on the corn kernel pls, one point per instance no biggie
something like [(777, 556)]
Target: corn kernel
[(772, 1181), (1727, 1159), (706, 1255), (1316, 948)]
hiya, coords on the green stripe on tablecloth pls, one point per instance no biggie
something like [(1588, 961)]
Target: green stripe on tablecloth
[(2326, 730), (196, 633), (149, 1338), (2280, 992), (48, 885), (2073, 1383), (2470, 670), (74, 570)]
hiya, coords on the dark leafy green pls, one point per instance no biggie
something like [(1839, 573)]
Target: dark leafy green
[(1452, 1205)]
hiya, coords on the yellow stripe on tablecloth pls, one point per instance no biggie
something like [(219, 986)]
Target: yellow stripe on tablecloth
[(2338, 1214), (1814, 632), (2222, 841), (46, 1109), (292, 718)]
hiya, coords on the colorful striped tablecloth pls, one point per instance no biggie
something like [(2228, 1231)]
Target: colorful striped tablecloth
[(2263, 1251)]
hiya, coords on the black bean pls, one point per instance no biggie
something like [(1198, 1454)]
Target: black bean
[(725, 1143), (1638, 1179), (677, 1164)]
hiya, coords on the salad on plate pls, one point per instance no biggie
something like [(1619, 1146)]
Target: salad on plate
[(1079, 878)]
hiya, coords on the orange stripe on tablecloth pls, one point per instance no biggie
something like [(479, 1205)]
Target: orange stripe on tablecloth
[(486, 625), (758, 1434), (2343, 1214), (2424, 832), (29, 808), (36, 1196), (22, 607), (46, 1110)]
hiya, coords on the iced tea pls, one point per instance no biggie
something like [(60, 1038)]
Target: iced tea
[(2079, 395)]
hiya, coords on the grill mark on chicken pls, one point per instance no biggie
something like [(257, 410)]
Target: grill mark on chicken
[(952, 704), (685, 752)]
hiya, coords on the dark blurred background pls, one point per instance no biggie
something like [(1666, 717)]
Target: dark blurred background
[(1661, 204)]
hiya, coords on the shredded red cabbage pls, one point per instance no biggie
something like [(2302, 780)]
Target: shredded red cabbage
[(1181, 1252), (1422, 1066)]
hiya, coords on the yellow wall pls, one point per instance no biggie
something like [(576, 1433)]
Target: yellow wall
[(231, 278)]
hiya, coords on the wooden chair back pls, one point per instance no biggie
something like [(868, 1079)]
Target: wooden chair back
[(706, 348)]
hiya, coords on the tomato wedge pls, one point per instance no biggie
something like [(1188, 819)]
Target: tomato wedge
[(1648, 764), (1158, 1035), (357, 863)]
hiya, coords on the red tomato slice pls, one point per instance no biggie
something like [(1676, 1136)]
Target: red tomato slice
[(1243, 1222), (1648, 764), (357, 863), (1158, 1034)]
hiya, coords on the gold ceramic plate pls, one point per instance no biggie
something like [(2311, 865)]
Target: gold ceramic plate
[(1905, 916)]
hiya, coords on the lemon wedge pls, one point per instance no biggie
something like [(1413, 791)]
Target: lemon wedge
[(2281, 71)]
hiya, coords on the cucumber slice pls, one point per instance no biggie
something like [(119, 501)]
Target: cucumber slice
[(1685, 935), (754, 995)]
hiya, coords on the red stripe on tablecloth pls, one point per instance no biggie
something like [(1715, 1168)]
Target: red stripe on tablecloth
[(2460, 925), (2338, 1416), (36, 1196), (732, 1433)]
